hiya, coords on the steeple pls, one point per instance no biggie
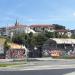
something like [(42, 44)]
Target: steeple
[(17, 23)]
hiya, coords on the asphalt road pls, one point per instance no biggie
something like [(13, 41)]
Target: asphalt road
[(39, 72)]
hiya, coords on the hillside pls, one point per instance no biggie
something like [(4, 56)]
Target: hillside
[(2, 40)]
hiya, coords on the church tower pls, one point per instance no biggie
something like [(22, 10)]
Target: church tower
[(17, 23)]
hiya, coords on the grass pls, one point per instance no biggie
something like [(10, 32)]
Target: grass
[(65, 57), (68, 57), (5, 65), (10, 64), (2, 40)]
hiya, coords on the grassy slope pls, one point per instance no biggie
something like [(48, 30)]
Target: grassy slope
[(2, 40)]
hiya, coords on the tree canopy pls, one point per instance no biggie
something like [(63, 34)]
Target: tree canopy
[(57, 26)]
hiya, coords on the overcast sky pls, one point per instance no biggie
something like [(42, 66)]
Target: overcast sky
[(38, 11)]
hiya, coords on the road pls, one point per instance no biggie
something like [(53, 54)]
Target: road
[(39, 72), (51, 67), (39, 65)]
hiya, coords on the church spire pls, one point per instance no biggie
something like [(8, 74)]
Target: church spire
[(16, 24)]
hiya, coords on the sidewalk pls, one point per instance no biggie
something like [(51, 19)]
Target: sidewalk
[(41, 64), (32, 67), (46, 59)]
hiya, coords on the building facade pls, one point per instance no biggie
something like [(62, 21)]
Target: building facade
[(16, 52), (3, 31), (59, 47), (63, 32), (42, 28), (19, 29), (73, 32)]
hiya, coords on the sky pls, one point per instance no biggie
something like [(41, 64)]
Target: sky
[(38, 12)]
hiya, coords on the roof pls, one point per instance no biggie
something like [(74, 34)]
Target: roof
[(62, 30), (15, 46), (18, 26), (63, 41), (42, 25), (3, 29)]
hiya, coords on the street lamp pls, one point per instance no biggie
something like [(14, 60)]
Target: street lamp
[(26, 53), (35, 48), (11, 35)]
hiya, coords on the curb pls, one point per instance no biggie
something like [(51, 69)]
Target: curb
[(45, 67)]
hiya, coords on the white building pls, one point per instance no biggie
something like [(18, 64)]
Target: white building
[(18, 29), (64, 32), (42, 27)]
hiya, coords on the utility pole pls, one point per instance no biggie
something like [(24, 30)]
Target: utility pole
[(26, 53)]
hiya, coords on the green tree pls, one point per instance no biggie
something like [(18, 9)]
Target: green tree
[(64, 36), (58, 27), (49, 34), (57, 35), (23, 39), (30, 35), (19, 39), (30, 40), (40, 39), (73, 36), (6, 46)]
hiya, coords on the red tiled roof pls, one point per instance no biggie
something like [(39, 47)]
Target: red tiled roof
[(42, 25), (62, 30), (18, 26)]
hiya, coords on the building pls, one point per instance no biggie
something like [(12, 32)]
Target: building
[(15, 52), (55, 46), (63, 32), (3, 31), (2, 52), (56, 53), (42, 27), (18, 29), (73, 32)]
